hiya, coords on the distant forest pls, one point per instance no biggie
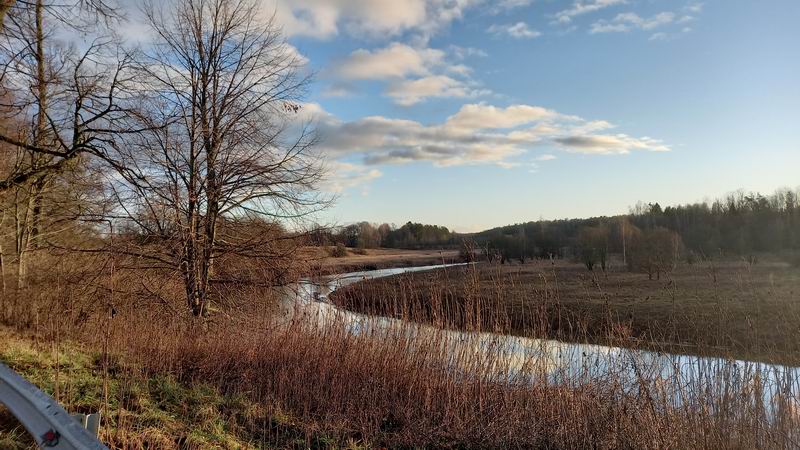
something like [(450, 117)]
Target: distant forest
[(409, 236), (740, 224)]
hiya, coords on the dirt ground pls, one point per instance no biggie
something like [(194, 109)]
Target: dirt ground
[(732, 308)]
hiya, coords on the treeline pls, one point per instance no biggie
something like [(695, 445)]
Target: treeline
[(367, 235), (740, 225)]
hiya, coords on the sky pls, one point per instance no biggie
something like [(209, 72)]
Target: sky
[(473, 114)]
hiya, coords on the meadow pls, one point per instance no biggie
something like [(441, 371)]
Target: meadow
[(320, 260), (732, 308)]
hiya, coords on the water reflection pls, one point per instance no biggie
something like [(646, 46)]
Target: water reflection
[(513, 359)]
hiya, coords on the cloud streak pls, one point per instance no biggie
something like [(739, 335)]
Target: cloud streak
[(476, 134), (629, 21), (519, 30), (584, 7)]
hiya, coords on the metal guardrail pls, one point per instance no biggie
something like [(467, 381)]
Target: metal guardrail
[(47, 422)]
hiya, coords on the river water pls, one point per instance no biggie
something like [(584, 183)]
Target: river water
[(516, 359)]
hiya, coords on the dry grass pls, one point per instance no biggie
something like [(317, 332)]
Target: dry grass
[(373, 258), (400, 392), (300, 385), (732, 309)]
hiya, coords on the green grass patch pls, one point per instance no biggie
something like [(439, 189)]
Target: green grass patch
[(142, 412)]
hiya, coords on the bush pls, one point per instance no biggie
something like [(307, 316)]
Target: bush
[(466, 251), (340, 251), (359, 251)]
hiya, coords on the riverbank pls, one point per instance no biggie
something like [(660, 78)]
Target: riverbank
[(321, 262), (731, 309)]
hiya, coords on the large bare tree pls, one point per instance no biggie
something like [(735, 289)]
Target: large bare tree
[(226, 148)]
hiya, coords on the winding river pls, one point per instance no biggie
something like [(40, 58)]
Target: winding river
[(516, 359)]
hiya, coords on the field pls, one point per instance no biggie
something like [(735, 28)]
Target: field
[(321, 261), (733, 308), (241, 380)]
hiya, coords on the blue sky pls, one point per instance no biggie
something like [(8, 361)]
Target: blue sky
[(473, 114)]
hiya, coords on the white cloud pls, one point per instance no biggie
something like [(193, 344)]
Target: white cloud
[(581, 7), (395, 61), (300, 59), (410, 92), (412, 74), (136, 30), (476, 134), (660, 36), (545, 157), (484, 117), (511, 4), (694, 8), (467, 52), (341, 176), (460, 69), (324, 19), (606, 27), (628, 21), (519, 30), (593, 126)]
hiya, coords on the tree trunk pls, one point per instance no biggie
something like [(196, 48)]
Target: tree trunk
[(3, 268), (5, 6), (22, 240), (3, 276), (29, 231), (624, 246)]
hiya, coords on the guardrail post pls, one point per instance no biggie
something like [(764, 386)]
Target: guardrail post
[(43, 417), (90, 422), (93, 423)]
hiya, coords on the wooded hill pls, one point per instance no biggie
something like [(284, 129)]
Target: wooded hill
[(740, 224)]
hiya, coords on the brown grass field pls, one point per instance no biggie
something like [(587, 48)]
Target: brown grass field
[(321, 261), (732, 309), (239, 380)]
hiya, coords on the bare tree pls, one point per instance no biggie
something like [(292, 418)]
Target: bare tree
[(593, 246), (655, 251), (225, 87), (70, 94), (59, 104)]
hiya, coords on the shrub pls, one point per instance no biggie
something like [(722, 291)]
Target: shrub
[(466, 251), (340, 251)]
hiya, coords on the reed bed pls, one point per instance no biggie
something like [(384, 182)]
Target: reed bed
[(328, 384)]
